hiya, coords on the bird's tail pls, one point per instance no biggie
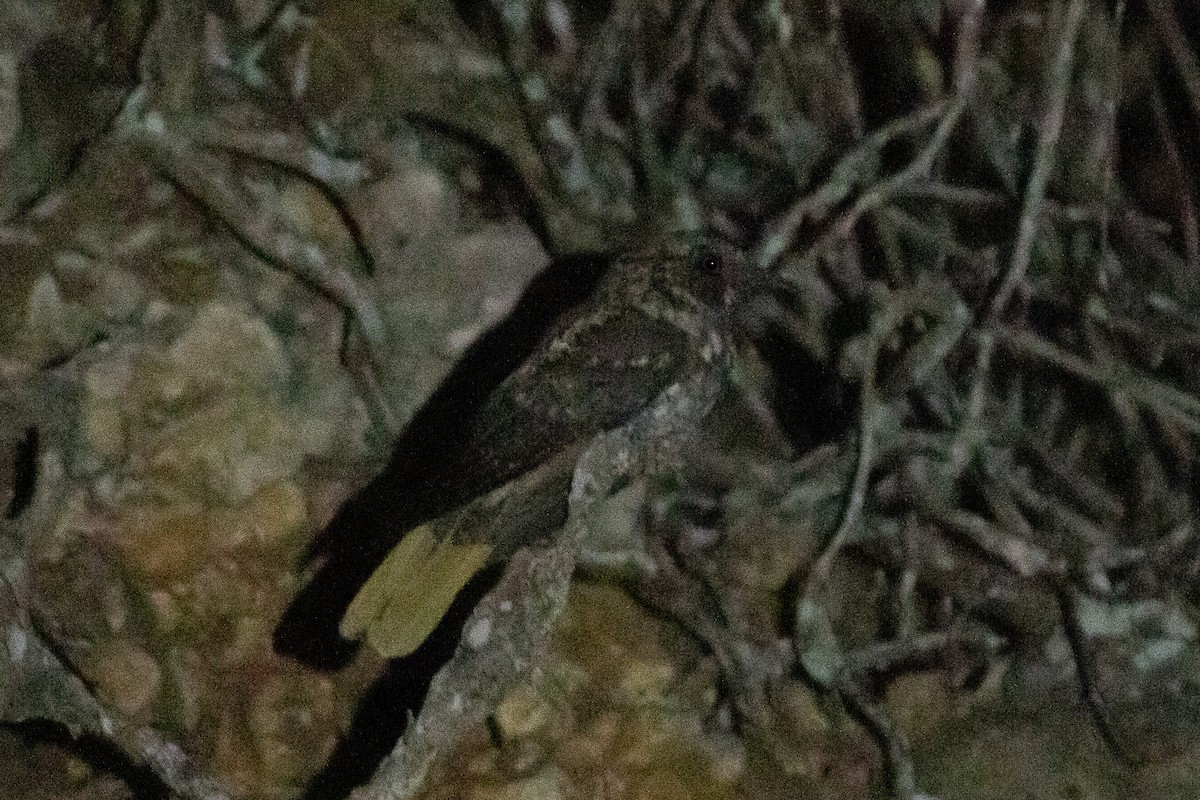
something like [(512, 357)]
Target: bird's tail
[(408, 594)]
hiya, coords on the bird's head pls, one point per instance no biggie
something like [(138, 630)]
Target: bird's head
[(684, 272)]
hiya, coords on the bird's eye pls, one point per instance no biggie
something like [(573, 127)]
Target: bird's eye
[(710, 263)]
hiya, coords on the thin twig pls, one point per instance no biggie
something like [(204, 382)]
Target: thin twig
[(1068, 605), (890, 658), (1023, 558), (40, 685), (970, 197), (545, 117), (1109, 131), (1086, 489), (1043, 165), (850, 96), (963, 450), (748, 669), (286, 151), (1166, 400), (329, 175), (869, 406), (198, 175), (848, 172), (896, 750), (1189, 219), (201, 177), (1169, 31)]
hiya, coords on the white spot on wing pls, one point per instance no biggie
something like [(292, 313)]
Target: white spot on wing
[(479, 633)]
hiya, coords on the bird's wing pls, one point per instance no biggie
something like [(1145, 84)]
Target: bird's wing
[(517, 462), (594, 376), (408, 594)]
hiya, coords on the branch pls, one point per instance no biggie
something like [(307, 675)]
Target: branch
[(36, 684)]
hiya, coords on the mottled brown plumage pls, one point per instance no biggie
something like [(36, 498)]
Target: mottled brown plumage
[(659, 317)]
